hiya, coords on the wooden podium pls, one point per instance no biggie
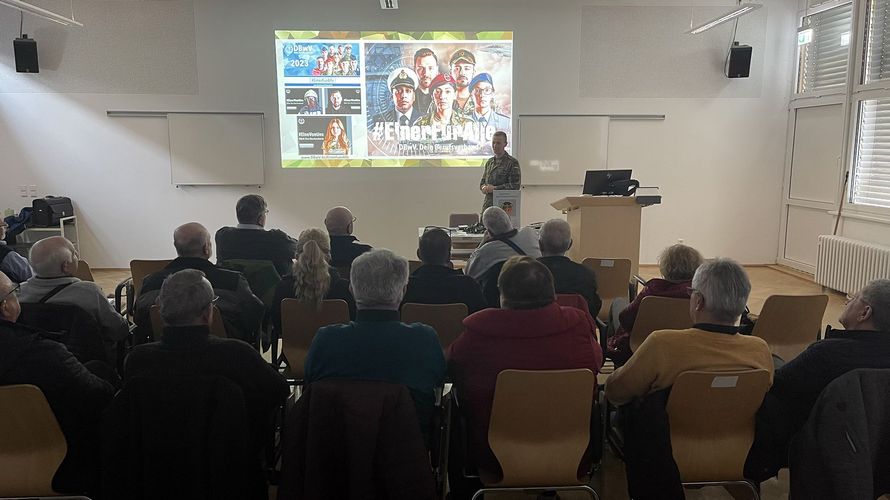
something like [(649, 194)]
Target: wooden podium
[(604, 227)]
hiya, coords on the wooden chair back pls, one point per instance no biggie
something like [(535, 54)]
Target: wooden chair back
[(659, 313), (540, 426), (446, 319), (217, 325), (455, 220), (711, 417), (32, 445), (612, 280), (84, 273), (139, 269), (790, 323), (299, 323)]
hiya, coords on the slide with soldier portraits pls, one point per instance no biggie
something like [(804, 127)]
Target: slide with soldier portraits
[(391, 99)]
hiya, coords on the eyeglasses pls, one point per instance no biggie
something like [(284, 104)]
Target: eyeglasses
[(485, 91), (15, 290)]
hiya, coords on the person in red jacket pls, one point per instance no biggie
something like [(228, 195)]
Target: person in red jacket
[(530, 332), (677, 264)]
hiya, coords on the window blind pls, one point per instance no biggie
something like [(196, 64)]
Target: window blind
[(871, 173), (823, 56), (877, 42)]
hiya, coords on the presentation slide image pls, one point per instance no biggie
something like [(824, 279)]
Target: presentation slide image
[(320, 58), (324, 136), (343, 101), (303, 100)]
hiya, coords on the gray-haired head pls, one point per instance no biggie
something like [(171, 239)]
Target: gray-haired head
[(192, 240), (877, 295), (555, 237), (496, 221), (724, 286), (678, 262), (185, 298), (378, 279), (251, 209), (52, 257)]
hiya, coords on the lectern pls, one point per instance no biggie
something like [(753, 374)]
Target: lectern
[(603, 226)]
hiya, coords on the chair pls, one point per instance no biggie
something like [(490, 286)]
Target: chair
[(790, 323), (70, 325), (413, 265), (299, 323), (659, 313), (217, 325), (711, 418), (131, 286), (455, 220), (612, 281), (261, 275), (84, 273), (539, 430), (32, 445), (446, 319)]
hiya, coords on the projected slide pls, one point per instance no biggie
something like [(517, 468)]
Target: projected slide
[(391, 99)]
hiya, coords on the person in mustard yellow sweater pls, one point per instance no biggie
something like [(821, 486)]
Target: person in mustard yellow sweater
[(719, 292)]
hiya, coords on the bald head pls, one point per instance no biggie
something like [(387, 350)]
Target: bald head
[(556, 237), (192, 240), (9, 308), (53, 257), (339, 221)]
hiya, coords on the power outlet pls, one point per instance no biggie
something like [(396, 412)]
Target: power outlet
[(23, 191), (32, 190)]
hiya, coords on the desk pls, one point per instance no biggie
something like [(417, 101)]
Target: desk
[(462, 242)]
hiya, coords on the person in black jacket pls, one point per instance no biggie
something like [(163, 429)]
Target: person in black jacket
[(77, 396), (568, 276), (187, 349), (250, 239), (240, 308), (436, 281), (344, 246), (865, 343)]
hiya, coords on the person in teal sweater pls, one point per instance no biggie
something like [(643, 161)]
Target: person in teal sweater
[(377, 345)]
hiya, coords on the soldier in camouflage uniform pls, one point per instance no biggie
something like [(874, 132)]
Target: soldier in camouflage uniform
[(501, 170)]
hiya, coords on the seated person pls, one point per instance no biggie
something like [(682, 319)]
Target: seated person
[(241, 310), (250, 239), (568, 276), (677, 264), (865, 343), (344, 246), (500, 243), (187, 350), (720, 290), (312, 278), (12, 264), (377, 346), (530, 332), (436, 282), (54, 261), (76, 396)]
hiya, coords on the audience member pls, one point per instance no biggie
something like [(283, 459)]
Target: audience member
[(250, 239), (377, 346), (54, 261), (12, 263), (720, 289), (312, 279), (76, 396), (677, 264), (531, 332), (568, 276), (241, 310), (344, 246), (436, 281), (864, 343), (187, 350)]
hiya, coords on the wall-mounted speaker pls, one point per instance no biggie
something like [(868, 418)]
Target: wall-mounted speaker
[(738, 64), (26, 55)]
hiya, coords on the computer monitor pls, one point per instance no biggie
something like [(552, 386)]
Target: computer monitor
[(601, 182)]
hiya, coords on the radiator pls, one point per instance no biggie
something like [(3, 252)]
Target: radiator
[(846, 265)]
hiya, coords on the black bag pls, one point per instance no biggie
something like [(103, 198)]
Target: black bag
[(50, 210)]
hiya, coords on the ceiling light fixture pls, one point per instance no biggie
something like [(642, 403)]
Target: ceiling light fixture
[(40, 12), (739, 11)]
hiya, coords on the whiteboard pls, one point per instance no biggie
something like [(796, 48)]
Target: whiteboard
[(558, 150), (215, 149)]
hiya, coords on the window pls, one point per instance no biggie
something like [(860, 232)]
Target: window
[(823, 49), (871, 171), (877, 42)]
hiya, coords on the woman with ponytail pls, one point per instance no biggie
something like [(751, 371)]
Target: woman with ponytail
[(312, 278)]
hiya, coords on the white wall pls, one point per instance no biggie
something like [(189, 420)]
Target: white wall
[(719, 161)]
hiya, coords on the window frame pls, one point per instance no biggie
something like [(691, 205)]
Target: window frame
[(838, 89)]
